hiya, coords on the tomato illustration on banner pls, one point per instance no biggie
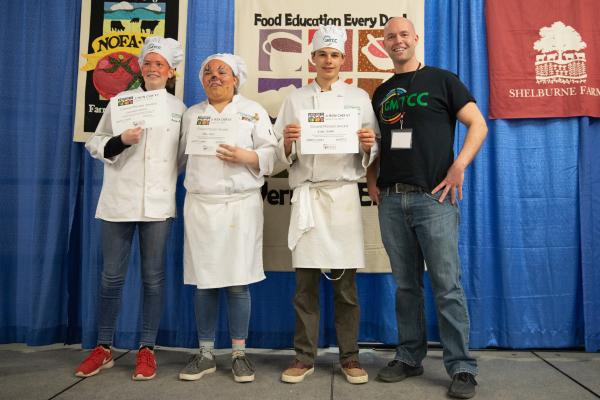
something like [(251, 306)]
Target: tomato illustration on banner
[(115, 73)]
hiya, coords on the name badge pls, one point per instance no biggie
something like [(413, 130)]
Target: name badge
[(401, 139)]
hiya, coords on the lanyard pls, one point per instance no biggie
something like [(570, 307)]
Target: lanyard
[(403, 104)]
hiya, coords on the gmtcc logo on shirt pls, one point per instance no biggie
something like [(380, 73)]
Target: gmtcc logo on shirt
[(396, 101)]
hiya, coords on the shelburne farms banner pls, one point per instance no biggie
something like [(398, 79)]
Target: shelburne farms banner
[(544, 58)]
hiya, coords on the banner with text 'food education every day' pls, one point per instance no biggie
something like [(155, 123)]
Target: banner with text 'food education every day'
[(111, 38), (275, 37)]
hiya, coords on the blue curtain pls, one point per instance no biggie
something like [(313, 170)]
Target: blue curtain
[(529, 220), (520, 243), (39, 167), (589, 172)]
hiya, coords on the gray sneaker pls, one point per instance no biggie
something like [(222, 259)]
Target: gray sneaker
[(242, 367), (197, 367), (397, 371), (463, 386)]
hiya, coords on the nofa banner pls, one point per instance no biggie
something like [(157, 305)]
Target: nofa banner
[(111, 38)]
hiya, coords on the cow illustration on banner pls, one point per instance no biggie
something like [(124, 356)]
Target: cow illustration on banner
[(112, 35)]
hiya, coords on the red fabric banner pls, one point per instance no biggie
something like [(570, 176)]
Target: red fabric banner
[(544, 58)]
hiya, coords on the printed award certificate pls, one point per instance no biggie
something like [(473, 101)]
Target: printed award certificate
[(329, 132), (139, 109), (210, 131)]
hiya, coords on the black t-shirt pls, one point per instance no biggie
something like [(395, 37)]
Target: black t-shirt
[(433, 99)]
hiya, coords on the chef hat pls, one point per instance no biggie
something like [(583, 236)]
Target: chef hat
[(169, 48), (329, 36), (237, 64)]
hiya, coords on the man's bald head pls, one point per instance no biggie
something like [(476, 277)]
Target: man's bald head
[(400, 41), (400, 21)]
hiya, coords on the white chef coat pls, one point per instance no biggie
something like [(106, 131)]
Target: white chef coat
[(139, 183), (326, 223), (208, 174), (223, 212), (325, 167)]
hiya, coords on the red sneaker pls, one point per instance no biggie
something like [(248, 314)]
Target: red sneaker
[(145, 365), (98, 359)]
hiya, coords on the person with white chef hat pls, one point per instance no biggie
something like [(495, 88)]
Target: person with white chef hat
[(326, 229), (223, 212), (138, 193)]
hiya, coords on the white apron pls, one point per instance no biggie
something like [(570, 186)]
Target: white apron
[(326, 230), (223, 237)]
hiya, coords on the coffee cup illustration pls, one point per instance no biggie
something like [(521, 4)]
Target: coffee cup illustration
[(375, 53), (284, 50)]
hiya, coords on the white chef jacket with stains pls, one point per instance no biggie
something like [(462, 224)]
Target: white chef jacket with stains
[(326, 224), (139, 183)]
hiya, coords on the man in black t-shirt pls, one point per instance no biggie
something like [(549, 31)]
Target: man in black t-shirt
[(415, 184)]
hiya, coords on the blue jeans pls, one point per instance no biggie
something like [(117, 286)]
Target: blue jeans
[(415, 227), (116, 248), (207, 312)]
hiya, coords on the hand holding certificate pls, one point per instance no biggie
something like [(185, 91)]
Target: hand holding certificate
[(329, 132), (138, 109), (210, 131)]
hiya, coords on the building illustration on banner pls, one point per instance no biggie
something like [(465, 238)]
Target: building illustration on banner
[(562, 59), (542, 65)]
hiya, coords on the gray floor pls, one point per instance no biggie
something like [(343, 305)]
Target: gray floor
[(47, 373)]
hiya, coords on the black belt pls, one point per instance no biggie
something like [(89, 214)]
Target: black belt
[(403, 188)]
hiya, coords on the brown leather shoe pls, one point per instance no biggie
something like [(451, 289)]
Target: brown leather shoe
[(354, 372), (296, 372)]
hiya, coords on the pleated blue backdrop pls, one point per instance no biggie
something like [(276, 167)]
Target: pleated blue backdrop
[(529, 227)]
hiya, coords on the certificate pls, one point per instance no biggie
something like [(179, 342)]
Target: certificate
[(209, 131), (329, 132), (139, 109)]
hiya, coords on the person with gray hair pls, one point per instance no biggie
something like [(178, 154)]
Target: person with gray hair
[(138, 192), (326, 230), (230, 147)]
